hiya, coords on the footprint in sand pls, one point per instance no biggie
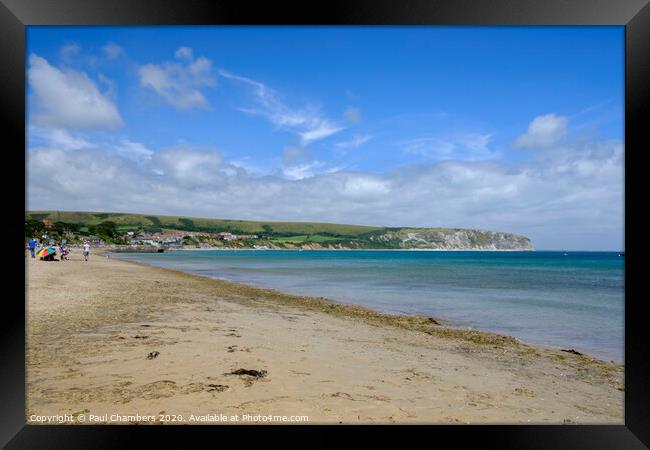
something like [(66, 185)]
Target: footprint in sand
[(524, 392), (381, 398), (417, 375), (344, 395), (408, 414), (480, 400), (451, 419)]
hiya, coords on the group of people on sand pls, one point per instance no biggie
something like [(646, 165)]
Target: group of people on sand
[(35, 245)]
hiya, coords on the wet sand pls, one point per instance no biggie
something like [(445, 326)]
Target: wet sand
[(108, 340)]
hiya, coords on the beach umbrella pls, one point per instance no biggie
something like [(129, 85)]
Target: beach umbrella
[(46, 251)]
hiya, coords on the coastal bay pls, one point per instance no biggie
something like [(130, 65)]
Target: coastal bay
[(223, 348), (560, 300)]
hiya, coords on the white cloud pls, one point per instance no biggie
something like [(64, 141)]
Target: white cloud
[(566, 197), (184, 53), (91, 178), (63, 140), (320, 131), (356, 142), (180, 84), (476, 142), (302, 171), (188, 168), (68, 99), (308, 123), (299, 163), (543, 132), (251, 166), (132, 149), (58, 138), (364, 186), (112, 50)]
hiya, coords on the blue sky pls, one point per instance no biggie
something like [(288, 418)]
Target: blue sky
[(509, 128)]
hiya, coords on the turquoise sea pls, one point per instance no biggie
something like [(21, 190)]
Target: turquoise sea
[(556, 299)]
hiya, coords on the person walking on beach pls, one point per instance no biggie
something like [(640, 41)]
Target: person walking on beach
[(32, 247), (64, 252), (86, 250)]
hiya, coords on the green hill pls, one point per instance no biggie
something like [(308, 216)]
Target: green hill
[(126, 221), (310, 235)]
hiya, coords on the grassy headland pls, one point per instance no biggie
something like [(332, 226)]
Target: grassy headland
[(125, 228)]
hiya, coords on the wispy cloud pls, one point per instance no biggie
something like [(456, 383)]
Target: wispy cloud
[(57, 138), (112, 50), (465, 147), (589, 109), (302, 171), (69, 51), (309, 124), (180, 83), (298, 163), (319, 131), (133, 149), (356, 142), (62, 139), (185, 53)]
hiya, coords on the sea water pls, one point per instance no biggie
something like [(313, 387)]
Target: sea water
[(556, 299)]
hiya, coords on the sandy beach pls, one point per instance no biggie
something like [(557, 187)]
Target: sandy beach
[(108, 340)]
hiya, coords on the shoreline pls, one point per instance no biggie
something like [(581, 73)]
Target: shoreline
[(333, 362), (417, 317), (346, 249)]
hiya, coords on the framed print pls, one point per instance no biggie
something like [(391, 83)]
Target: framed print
[(366, 213)]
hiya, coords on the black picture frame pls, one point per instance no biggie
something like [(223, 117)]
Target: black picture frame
[(634, 15)]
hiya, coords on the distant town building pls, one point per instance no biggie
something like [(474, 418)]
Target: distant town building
[(226, 236)]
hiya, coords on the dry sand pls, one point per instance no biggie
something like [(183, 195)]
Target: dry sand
[(91, 326)]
